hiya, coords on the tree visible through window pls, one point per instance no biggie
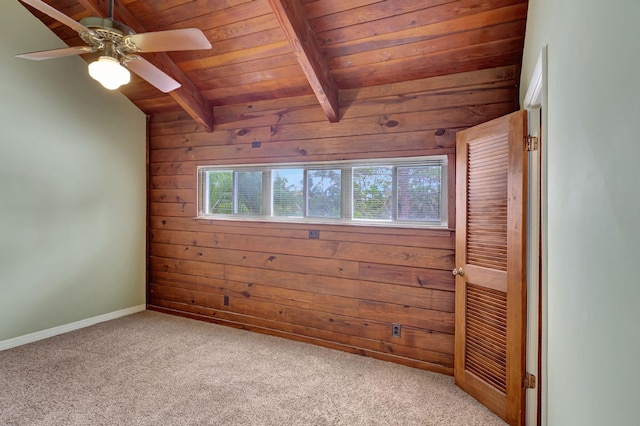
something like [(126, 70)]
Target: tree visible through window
[(220, 192), (324, 193), (411, 192), (419, 193), (249, 191), (288, 192), (373, 193)]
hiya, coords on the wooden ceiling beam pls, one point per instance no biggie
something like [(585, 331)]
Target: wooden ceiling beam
[(296, 27), (187, 96)]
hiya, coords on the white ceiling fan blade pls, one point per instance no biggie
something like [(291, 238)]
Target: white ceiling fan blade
[(56, 53), (152, 74), (56, 14), (171, 40)]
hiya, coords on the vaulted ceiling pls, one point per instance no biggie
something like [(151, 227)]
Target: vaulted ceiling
[(271, 49)]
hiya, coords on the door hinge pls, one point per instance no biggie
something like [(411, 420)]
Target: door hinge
[(529, 381), (530, 143)]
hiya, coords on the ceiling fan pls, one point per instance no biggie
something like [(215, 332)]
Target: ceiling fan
[(120, 47)]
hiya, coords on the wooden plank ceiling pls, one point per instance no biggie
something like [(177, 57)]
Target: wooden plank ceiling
[(272, 49)]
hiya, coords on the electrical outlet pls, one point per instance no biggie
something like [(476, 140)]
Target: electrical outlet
[(314, 235), (395, 330), (226, 301)]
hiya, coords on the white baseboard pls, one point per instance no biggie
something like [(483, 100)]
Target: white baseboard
[(44, 334)]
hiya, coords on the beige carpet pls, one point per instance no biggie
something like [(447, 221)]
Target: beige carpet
[(156, 369)]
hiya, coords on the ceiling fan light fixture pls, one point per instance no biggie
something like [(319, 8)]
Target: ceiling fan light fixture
[(109, 72)]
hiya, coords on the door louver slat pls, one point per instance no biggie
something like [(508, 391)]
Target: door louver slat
[(486, 352), (487, 170)]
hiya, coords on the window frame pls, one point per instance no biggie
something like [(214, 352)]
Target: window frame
[(346, 195)]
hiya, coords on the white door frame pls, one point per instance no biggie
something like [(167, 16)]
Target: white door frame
[(535, 101)]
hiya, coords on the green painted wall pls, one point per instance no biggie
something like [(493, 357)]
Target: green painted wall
[(593, 206), (72, 187)]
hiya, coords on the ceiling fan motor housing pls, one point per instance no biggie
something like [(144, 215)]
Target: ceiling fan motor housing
[(109, 35)]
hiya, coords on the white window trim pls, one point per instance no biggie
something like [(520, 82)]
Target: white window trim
[(346, 197)]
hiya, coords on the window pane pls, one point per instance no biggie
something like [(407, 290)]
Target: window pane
[(419, 193), (220, 192), (385, 192), (324, 189), (288, 192), (373, 193), (249, 191)]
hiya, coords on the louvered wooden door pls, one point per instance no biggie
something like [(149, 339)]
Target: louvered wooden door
[(490, 250)]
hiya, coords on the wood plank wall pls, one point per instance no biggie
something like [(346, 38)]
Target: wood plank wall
[(345, 290)]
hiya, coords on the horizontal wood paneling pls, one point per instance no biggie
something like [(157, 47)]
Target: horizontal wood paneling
[(345, 289), (388, 236), (433, 258)]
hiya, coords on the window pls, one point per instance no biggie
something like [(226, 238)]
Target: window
[(391, 192), (373, 193), (324, 193)]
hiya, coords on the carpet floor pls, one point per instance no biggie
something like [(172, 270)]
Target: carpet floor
[(155, 369)]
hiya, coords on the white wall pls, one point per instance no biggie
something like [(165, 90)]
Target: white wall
[(593, 206), (72, 187)]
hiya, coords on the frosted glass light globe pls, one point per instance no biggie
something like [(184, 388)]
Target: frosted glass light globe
[(108, 72)]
